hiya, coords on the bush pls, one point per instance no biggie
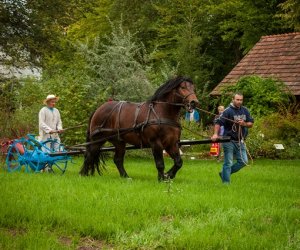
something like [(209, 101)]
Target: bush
[(262, 96), (20, 115), (280, 128)]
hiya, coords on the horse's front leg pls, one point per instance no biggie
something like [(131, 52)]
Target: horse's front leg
[(157, 152), (175, 155)]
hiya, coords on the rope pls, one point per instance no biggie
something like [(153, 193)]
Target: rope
[(205, 111), (196, 133), (234, 129), (241, 139)]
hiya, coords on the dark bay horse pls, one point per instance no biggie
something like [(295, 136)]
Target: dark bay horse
[(154, 124)]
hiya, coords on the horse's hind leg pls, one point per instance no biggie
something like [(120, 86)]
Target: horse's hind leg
[(175, 155), (119, 158), (91, 160)]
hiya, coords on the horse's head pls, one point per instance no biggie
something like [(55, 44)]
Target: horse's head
[(179, 90), (185, 93)]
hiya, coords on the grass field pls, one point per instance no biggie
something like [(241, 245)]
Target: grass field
[(259, 210)]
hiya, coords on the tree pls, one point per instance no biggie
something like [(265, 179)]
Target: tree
[(246, 21), (31, 30), (290, 13), (118, 68)]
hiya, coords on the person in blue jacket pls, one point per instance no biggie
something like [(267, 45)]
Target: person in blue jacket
[(236, 120), (192, 116)]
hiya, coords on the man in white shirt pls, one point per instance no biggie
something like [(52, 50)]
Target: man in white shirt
[(50, 125)]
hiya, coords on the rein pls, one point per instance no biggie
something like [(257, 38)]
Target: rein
[(170, 103), (239, 130)]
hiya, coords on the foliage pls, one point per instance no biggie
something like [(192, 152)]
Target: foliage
[(32, 30), (246, 21), (23, 101), (25, 118), (78, 99), (93, 22), (118, 67), (290, 13), (262, 96), (277, 128), (195, 211), (186, 36), (8, 88), (202, 39)]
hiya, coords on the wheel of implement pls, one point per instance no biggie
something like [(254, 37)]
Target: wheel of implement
[(14, 157)]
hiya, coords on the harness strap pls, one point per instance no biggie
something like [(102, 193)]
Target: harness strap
[(164, 121), (140, 126), (118, 120), (148, 116), (151, 108), (108, 116), (137, 112), (98, 128)]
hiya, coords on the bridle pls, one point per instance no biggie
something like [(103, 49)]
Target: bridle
[(186, 96), (189, 105), (183, 99)]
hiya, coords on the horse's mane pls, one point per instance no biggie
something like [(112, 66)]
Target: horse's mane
[(169, 86)]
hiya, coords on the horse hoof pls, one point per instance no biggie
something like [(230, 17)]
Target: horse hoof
[(161, 178), (169, 176), (164, 178)]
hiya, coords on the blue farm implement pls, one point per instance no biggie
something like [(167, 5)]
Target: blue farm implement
[(36, 156)]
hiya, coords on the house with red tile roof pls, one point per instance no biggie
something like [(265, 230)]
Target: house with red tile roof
[(276, 56)]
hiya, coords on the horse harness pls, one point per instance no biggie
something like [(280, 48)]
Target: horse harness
[(136, 127)]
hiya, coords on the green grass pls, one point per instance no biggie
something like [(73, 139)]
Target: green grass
[(259, 210)]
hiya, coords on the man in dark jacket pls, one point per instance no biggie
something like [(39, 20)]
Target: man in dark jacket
[(236, 120)]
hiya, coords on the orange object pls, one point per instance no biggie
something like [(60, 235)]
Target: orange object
[(214, 149), (20, 148)]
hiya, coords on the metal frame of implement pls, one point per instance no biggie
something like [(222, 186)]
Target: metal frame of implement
[(78, 151), (35, 156)]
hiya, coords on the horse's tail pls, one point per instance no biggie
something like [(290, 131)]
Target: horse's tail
[(92, 155)]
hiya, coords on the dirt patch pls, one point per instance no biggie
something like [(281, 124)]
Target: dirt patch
[(86, 243), (13, 231), (167, 218), (66, 241)]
